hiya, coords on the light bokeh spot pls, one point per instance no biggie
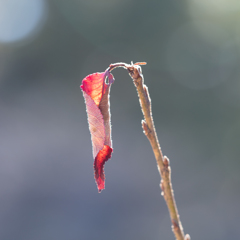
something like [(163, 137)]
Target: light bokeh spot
[(20, 19)]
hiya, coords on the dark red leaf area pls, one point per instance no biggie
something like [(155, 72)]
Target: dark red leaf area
[(94, 85), (99, 162)]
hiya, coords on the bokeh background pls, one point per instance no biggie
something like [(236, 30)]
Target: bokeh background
[(47, 189)]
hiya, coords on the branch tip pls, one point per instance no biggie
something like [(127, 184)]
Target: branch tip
[(124, 65), (135, 72)]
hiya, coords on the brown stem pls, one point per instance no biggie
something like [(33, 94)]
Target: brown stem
[(162, 162)]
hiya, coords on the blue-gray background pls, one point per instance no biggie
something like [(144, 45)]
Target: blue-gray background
[(47, 189)]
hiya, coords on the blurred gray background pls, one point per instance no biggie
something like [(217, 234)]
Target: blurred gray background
[(47, 188)]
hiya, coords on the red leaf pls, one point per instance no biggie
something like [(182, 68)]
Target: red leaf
[(99, 162), (96, 95)]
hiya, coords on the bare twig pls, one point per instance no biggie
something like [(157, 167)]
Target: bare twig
[(150, 132)]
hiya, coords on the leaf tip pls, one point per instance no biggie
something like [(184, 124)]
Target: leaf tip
[(102, 156)]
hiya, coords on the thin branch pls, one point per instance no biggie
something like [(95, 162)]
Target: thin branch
[(162, 162), (164, 169)]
